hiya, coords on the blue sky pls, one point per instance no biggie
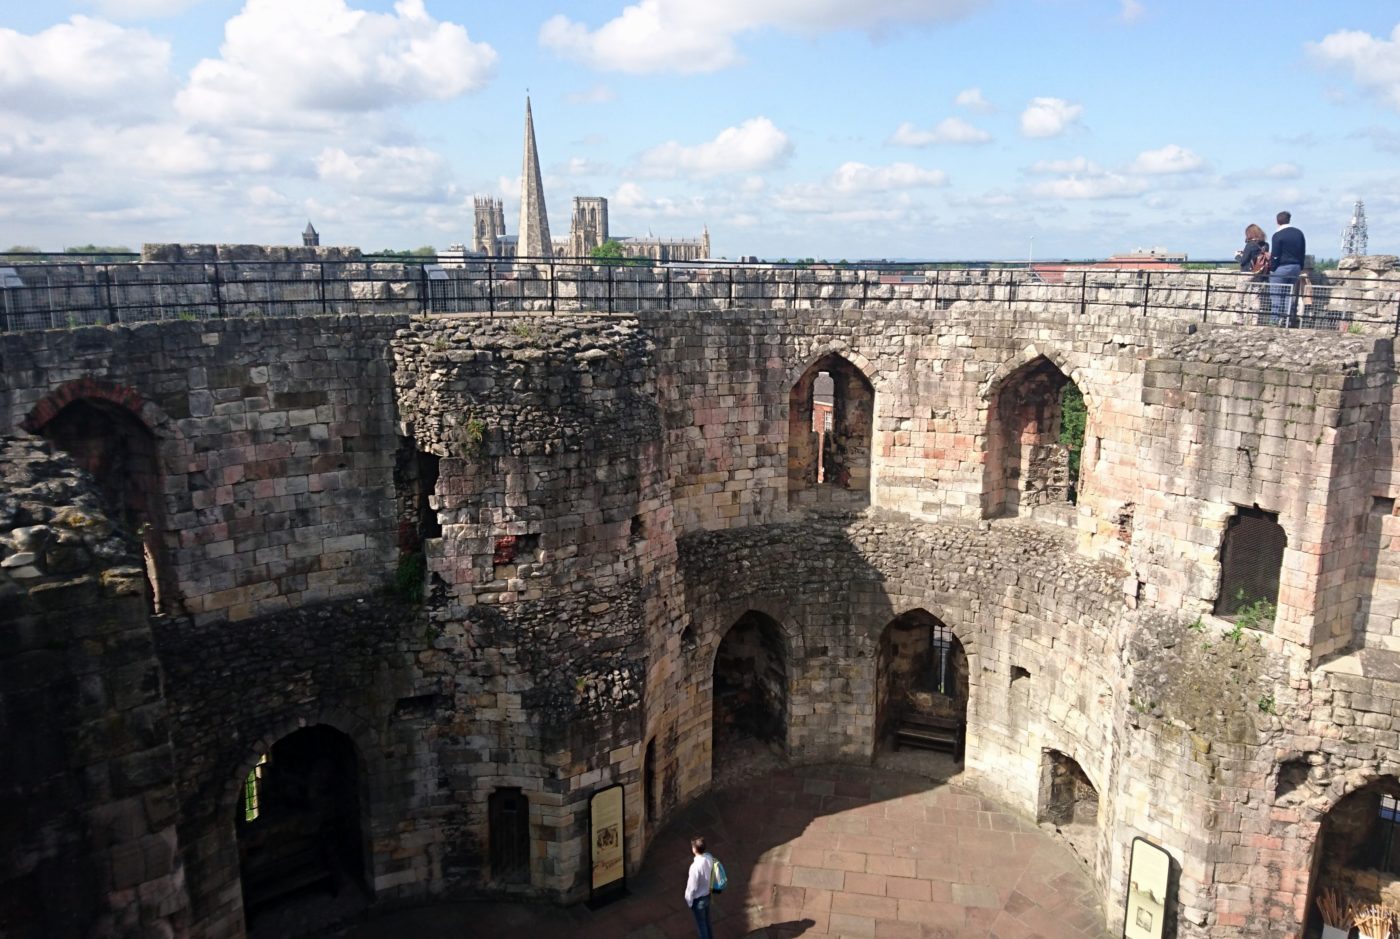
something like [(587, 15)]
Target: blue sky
[(953, 129)]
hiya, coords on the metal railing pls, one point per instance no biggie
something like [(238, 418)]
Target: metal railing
[(46, 294)]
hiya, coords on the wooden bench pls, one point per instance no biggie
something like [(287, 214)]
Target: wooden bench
[(930, 733)]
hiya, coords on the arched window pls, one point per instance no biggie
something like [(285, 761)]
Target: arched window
[(1036, 432), (831, 415), (1251, 562)]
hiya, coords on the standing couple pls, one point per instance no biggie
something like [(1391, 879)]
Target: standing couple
[(1284, 263)]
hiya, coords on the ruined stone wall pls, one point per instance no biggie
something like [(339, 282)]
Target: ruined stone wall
[(90, 846), (275, 442)]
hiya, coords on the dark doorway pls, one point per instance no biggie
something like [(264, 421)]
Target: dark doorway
[(1069, 803), (750, 693), (299, 826), (1251, 562), (921, 680), (509, 821)]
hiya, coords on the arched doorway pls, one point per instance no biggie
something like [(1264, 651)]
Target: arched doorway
[(1069, 803), (300, 831), (750, 715), (921, 684), (831, 418), (1357, 854), (119, 451), (1037, 426)]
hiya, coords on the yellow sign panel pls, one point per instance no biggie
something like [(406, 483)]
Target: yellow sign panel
[(1149, 875), (605, 828)]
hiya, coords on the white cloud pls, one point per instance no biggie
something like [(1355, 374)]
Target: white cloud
[(140, 9), (399, 172), (1060, 167), (689, 37), (953, 130), (629, 196), (755, 144), (1080, 178), (971, 98), (1282, 171), (285, 64), (1049, 117), (82, 66), (858, 177), (597, 94), (1374, 63), (1167, 160), (1130, 11), (582, 166)]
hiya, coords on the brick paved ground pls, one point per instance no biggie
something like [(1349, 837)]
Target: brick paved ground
[(824, 851)]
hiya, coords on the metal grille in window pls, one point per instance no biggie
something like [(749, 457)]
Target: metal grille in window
[(1390, 819), (941, 644), (1250, 561)]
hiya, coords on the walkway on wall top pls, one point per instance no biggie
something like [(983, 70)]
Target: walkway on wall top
[(48, 295)]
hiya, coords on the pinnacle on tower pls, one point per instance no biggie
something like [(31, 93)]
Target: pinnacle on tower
[(534, 219)]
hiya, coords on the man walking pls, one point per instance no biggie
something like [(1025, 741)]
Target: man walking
[(697, 886), (1286, 255)]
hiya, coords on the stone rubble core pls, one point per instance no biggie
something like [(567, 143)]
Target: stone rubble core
[(502, 555)]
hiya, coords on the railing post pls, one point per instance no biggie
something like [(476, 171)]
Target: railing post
[(423, 289), (666, 275), (321, 283), (217, 280), (1146, 291), (553, 307), (729, 274), (491, 289), (1083, 293), (107, 281), (935, 288), (1205, 304), (610, 288)]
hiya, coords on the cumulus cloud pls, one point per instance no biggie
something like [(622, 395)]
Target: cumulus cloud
[(688, 37), (858, 177), (756, 144), (284, 64), (1374, 63), (952, 130), (1167, 160), (82, 66), (401, 172), (971, 98), (1283, 171), (1049, 117), (1130, 11), (1083, 179)]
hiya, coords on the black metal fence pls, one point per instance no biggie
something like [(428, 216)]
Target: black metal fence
[(47, 294)]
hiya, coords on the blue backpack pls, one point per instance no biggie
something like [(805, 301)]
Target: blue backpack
[(718, 878)]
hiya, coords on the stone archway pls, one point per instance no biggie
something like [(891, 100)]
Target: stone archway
[(1068, 802), (1037, 421), (301, 829), (750, 692), (106, 438), (1357, 852), (921, 676), (831, 420)]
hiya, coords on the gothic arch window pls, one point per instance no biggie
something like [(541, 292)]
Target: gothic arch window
[(831, 417), (1036, 432)]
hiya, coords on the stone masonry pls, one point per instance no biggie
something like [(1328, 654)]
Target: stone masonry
[(501, 554)]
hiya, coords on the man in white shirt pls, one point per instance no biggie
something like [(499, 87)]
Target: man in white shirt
[(697, 886)]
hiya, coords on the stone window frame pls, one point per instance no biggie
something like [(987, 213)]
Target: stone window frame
[(1223, 519)]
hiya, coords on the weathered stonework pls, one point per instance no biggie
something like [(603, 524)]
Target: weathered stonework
[(595, 501)]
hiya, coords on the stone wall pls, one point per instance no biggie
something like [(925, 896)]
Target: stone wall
[(89, 831), (587, 504)]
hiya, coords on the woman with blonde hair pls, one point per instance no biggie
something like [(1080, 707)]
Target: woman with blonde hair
[(1254, 256)]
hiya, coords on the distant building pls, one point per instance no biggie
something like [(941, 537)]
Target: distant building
[(588, 228), (1143, 259), (310, 238)]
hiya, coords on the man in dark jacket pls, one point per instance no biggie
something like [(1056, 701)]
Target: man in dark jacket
[(1285, 264)]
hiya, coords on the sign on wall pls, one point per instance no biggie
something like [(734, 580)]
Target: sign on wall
[(606, 848), (1149, 879)]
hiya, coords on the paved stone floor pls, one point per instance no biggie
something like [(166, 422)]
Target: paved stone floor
[(823, 851)]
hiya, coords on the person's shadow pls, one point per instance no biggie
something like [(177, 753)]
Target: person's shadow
[(794, 927)]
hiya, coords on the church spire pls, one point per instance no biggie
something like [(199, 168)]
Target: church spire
[(534, 219)]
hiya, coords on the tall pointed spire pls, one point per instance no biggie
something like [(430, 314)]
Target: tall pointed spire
[(534, 219)]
